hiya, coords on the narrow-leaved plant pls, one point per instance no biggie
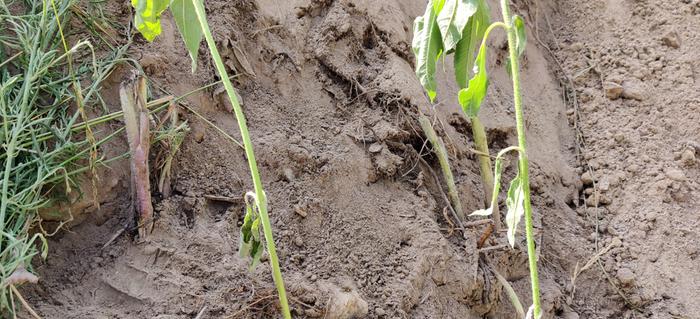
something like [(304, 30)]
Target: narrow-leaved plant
[(190, 18), (434, 37)]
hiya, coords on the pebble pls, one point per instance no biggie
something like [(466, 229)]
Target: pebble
[(375, 148), (671, 39), (625, 276), (587, 178), (675, 174), (379, 311), (298, 241), (612, 90), (604, 184), (198, 136), (300, 211), (635, 90), (688, 157), (288, 174), (598, 200)]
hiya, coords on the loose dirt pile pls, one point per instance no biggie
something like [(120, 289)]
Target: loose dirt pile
[(331, 99)]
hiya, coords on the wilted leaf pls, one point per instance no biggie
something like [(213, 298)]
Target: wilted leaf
[(452, 20), (470, 98), (515, 203), (466, 47), (187, 23), (147, 16), (483, 212), (250, 244), (427, 46)]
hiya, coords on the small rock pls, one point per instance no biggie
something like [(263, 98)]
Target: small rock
[(675, 174), (625, 276), (375, 148), (688, 157), (587, 178), (288, 174), (612, 90), (346, 305), (604, 184), (298, 241), (597, 199), (300, 211), (635, 90), (379, 311), (198, 136), (671, 39), (634, 168)]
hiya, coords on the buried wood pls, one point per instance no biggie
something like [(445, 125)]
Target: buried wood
[(132, 94)]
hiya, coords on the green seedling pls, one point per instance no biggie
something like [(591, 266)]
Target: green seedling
[(429, 46), (456, 27), (191, 20)]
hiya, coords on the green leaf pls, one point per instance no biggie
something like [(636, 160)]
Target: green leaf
[(187, 23), (466, 48), (520, 35), (250, 244), (470, 98), (452, 20), (427, 46), (147, 16), (518, 24), (515, 203)]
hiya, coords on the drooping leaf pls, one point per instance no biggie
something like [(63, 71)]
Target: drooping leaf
[(147, 16), (515, 203), (498, 171), (470, 98), (187, 23), (250, 243), (427, 46), (452, 20), (518, 24), (471, 37)]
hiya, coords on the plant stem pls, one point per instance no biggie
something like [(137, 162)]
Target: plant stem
[(479, 134), (248, 145), (523, 161), (441, 152)]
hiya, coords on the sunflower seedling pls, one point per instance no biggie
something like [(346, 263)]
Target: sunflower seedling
[(433, 37), (190, 18), (456, 27)]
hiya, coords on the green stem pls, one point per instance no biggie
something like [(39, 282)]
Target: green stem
[(248, 145), (479, 134), (441, 152), (523, 161)]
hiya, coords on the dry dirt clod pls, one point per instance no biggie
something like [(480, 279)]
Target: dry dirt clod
[(671, 39), (634, 90), (688, 157), (375, 148), (625, 276), (587, 178), (612, 90), (675, 174), (301, 211)]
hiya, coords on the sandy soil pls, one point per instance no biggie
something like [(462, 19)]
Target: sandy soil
[(332, 103)]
